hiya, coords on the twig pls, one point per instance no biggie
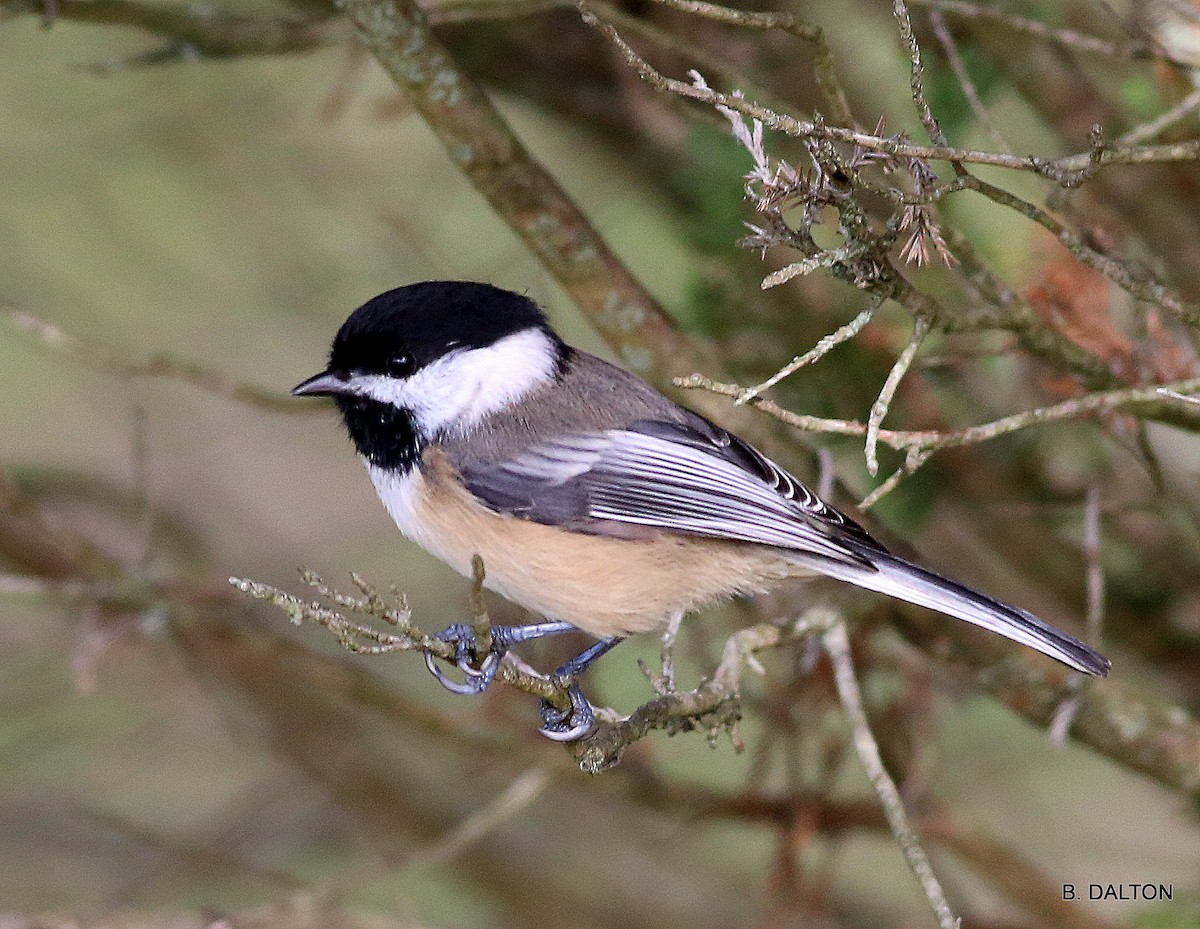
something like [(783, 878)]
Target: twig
[(1069, 38), (824, 69), (1059, 727), (823, 346), (950, 48), (1053, 168), (369, 640), (26, 586), (825, 473), (480, 11), (917, 75), (912, 461), (879, 409), (159, 366), (527, 787), (667, 653), (1095, 566), (1177, 394), (1148, 130), (1116, 271), (1129, 398), (837, 643), (206, 30)]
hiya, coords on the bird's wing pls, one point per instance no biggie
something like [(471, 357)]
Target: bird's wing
[(682, 477), (693, 477)]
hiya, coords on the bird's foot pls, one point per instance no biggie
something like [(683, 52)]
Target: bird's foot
[(570, 724), (479, 671)]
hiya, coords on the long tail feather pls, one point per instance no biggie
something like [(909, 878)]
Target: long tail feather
[(897, 578)]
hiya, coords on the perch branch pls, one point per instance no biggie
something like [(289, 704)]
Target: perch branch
[(712, 707)]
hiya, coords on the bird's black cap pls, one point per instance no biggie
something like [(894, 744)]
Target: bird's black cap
[(429, 319)]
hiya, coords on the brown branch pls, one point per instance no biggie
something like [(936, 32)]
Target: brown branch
[(211, 31), (1068, 38), (159, 366), (1116, 271), (824, 67), (519, 189), (31, 543), (1053, 168), (1140, 732)]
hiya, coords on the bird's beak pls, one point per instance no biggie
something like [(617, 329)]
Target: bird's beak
[(325, 384)]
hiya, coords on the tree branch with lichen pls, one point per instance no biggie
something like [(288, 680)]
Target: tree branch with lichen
[(712, 707)]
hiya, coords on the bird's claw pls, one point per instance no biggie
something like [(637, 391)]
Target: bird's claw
[(476, 679), (479, 670), (570, 724)]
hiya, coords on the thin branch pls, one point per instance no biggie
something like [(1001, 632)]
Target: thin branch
[(159, 366), (917, 74), (879, 409), (1148, 130), (481, 11), (912, 462), (510, 803), (370, 640), (1148, 290), (823, 346), (824, 69), (1131, 399), (837, 643), (950, 48), (1068, 38), (206, 30), (1053, 168), (1095, 566)]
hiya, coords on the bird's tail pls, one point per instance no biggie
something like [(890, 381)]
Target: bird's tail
[(897, 578)]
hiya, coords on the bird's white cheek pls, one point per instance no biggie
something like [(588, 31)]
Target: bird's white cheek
[(464, 386)]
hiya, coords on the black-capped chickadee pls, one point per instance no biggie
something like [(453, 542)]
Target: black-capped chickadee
[(592, 499)]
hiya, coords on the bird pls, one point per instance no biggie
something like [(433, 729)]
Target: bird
[(594, 501)]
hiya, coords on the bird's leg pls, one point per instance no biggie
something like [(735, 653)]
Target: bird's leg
[(480, 670), (580, 719)]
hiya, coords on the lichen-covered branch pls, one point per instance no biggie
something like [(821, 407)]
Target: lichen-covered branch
[(1143, 401), (367, 639), (896, 146), (714, 706), (1068, 38)]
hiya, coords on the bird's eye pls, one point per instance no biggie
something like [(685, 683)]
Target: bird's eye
[(400, 364)]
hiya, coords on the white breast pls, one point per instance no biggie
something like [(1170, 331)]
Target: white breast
[(404, 497)]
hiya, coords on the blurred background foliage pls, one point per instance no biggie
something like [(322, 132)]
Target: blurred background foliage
[(176, 758)]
